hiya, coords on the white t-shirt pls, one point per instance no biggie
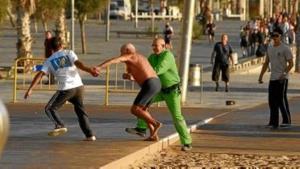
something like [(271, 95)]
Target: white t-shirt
[(61, 65), (279, 57)]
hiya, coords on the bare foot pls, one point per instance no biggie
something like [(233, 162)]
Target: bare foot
[(152, 138), (151, 129), (156, 128)]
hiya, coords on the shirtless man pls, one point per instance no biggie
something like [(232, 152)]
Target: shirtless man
[(139, 69)]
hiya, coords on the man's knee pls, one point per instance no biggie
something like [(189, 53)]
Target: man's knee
[(50, 108), (135, 109)]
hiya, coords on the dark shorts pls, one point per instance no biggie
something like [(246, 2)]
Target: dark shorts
[(211, 33), (168, 40), (224, 68), (148, 90)]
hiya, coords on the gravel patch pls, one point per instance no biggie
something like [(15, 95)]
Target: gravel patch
[(173, 158)]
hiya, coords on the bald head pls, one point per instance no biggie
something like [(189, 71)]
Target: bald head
[(128, 48), (158, 45)]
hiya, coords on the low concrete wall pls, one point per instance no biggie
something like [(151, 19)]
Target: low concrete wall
[(248, 64)]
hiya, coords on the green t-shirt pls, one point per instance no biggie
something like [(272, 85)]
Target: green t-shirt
[(165, 66)]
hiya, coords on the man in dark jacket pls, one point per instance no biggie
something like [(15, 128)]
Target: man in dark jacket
[(220, 58)]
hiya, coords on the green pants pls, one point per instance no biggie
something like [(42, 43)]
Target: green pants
[(173, 102)]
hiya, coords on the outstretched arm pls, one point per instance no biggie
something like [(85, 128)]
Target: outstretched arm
[(114, 60), (83, 67), (34, 82)]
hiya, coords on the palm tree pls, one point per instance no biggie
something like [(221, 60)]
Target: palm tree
[(277, 7), (3, 7), (85, 7), (60, 22), (163, 5), (11, 15), (53, 10), (24, 9)]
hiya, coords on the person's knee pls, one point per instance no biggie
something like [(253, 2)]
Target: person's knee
[(49, 109), (135, 109)]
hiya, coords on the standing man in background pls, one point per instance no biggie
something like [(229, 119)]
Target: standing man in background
[(281, 59), (168, 33), (220, 59)]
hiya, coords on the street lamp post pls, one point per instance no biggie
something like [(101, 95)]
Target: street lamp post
[(185, 51), (136, 13), (72, 25), (107, 20), (152, 16)]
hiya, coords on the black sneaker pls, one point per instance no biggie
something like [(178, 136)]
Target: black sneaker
[(136, 131), (226, 89), (186, 147), (285, 125), (217, 87)]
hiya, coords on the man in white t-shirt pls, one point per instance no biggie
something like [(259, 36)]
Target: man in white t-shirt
[(281, 60), (63, 65)]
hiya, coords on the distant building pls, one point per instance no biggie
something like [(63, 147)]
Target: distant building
[(246, 9)]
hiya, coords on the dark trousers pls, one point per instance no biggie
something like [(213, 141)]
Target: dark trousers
[(278, 100), (219, 67), (74, 96)]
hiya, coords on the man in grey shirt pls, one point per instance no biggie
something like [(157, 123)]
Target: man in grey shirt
[(280, 58)]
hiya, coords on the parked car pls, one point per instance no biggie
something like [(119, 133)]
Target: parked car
[(120, 9)]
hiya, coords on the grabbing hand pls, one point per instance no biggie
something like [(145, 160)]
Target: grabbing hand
[(126, 76), (95, 71)]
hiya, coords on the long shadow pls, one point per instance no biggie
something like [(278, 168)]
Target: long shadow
[(247, 130), (239, 89)]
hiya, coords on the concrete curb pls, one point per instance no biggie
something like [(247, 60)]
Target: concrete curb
[(124, 162)]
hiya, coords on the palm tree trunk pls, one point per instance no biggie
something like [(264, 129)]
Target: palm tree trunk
[(82, 33), (277, 7), (23, 31), (61, 27), (44, 23), (11, 16)]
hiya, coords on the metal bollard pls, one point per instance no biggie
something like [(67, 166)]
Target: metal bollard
[(4, 126), (195, 75)]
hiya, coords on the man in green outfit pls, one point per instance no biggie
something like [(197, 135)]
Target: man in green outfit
[(163, 62)]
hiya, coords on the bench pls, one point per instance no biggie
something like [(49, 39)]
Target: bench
[(136, 33)]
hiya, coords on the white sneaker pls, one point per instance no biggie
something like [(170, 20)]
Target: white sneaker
[(92, 138), (58, 131)]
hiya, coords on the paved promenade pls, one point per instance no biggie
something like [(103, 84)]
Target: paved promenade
[(236, 140)]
